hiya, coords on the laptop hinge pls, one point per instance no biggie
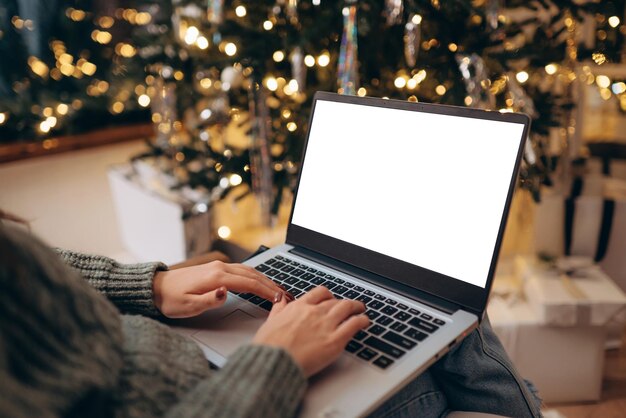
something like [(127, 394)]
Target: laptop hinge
[(377, 280)]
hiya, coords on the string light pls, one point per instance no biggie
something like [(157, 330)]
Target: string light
[(278, 56), (618, 88), (102, 37), (3, 118), (323, 60), (240, 11), (362, 92), (62, 109), (522, 76), (309, 60), (191, 35), (235, 179), (223, 232), (603, 81), (551, 69), (399, 82), (268, 25), (143, 100), (291, 126), (230, 49), (440, 89), (202, 42), (614, 21)]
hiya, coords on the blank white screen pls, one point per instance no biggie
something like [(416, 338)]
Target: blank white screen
[(423, 188)]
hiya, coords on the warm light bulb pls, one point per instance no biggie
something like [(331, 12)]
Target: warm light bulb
[(603, 81), (268, 25), (614, 21), (309, 60), (191, 35), (291, 126), (240, 11), (362, 92), (230, 49), (235, 180), (278, 56), (202, 42), (3, 118), (143, 100), (416, 20), (224, 232), (522, 76), (551, 68), (440, 89), (323, 60), (399, 82), (618, 88), (271, 83)]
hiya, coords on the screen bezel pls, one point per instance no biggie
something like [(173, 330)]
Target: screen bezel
[(464, 294)]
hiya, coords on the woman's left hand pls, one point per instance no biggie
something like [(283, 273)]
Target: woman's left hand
[(189, 291)]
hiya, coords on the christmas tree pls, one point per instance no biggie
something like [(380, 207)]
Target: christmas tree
[(204, 66)]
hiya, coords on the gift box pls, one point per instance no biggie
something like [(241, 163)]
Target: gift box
[(573, 291), (564, 363), (156, 223)]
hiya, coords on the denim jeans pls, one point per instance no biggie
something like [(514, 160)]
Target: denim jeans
[(476, 375)]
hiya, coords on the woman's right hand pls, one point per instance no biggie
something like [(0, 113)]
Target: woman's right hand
[(314, 329)]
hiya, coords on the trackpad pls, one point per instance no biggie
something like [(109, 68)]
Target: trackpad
[(230, 332)]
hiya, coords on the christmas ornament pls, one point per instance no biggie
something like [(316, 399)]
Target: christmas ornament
[(347, 71), (298, 69), (215, 11), (492, 13), (412, 39), (477, 83), (231, 77), (260, 152), (393, 12)]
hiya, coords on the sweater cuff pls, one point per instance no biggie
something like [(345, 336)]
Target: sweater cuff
[(128, 286), (266, 377)]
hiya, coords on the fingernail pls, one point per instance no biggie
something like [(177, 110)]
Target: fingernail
[(278, 296), (220, 293)]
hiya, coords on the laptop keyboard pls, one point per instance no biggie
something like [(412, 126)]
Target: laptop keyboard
[(395, 328)]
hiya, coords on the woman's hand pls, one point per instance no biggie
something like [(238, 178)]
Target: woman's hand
[(314, 329), (189, 291)]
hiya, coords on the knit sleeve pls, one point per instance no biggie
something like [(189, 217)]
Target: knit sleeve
[(258, 381), (128, 286)]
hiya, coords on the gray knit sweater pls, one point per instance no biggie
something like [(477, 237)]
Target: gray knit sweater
[(67, 350)]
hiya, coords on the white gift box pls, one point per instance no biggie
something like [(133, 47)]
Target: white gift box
[(575, 292), (564, 363), (157, 225)]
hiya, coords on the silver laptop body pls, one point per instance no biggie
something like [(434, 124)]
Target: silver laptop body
[(403, 206)]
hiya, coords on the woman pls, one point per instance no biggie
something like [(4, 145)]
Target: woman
[(67, 350)]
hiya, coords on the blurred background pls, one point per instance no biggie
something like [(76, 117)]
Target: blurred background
[(166, 129)]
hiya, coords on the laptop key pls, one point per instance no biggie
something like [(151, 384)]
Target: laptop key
[(257, 300), (383, 362), (415, 334), (402, 316), (329, 285), (364, 299), (282, 276), (369, 292), (279, 257), (379, 297), (360, 335), (262, 268), (287, 260), (267, 305), (391, 302), (402, 306), (319, 273), (389, 310), (295, 292), (367, 354), (334, 279), (399, 326), (399, 340), (358, 289), (311, 269), (340, 290), (384, 320), (372, 314), (288, 269), (348, 284), (386, 348), (307, 276), (318, 280), (414, 311), (279, 264), (375, 304), (423, 325), (270, 261), (292, 280), (350, 294), (353, 346), (426, 316), (246, 295), (295, 263), (272, 273), (298, 272), (309, 287), (301, 284), (439, 321), (376, 329)]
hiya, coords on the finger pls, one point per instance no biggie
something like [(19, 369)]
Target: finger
[(317, 295), (244, 284), (278, 307), (346, 330), (345, 309), (206, 301), (252, 273), (328, 304)]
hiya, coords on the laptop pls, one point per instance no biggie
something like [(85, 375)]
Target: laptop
[(402, 206)]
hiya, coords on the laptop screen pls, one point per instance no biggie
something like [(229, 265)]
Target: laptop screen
[(425, 188)]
